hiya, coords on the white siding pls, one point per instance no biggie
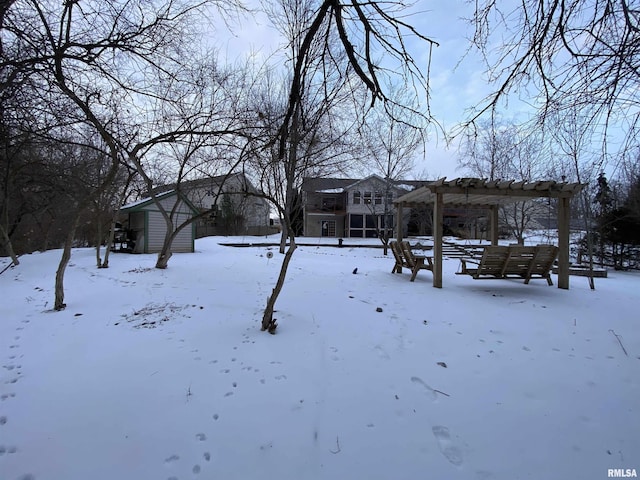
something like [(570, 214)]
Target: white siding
[(156, 227)]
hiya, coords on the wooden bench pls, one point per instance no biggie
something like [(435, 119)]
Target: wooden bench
[(513, 261), (404, 257)]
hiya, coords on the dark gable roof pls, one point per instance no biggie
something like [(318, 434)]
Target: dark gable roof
[(145, 202), (318, 184), (211, 183)]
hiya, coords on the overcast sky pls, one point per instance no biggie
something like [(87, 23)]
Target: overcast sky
[(458, 81)]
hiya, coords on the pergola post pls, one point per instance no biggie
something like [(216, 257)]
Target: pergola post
[(563, 242), (399, 228), (493, 220), (399, 222), (438, 206)]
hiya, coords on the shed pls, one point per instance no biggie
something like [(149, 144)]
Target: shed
[(482, 193), (147, 227)]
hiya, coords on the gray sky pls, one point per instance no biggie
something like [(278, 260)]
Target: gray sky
[(458, 81)]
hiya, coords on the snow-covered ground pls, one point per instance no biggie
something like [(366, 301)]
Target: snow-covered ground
[(152, 374)]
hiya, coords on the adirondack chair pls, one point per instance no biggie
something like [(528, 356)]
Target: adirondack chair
[(404, 257), (513, 261)]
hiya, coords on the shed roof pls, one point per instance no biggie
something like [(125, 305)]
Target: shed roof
[(484, 193), (145, 202)]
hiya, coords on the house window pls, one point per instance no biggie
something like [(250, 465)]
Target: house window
[(369, 226), (378, 198), (329, 203), (356, 224), (329, 228), (367, 198), (356, 198)]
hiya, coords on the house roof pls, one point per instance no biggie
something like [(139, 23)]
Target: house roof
[(145, 202), (482, 192), (209, 182), (339, 185), (318, 184)]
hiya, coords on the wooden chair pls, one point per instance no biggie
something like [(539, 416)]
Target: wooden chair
[(404, 257), (490, 265), (542, 264), (513, 261), (399, 258)]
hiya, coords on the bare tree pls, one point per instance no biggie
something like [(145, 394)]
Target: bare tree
[(572, 140), (358, 32), (109, 62), (389, 146), (505, 151), (568, 54)]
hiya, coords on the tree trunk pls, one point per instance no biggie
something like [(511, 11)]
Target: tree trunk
[(66, 255), (98, 242), (112, 232), (268, 322), (114, 220), (8, 246), (283, 237), (165, 254)]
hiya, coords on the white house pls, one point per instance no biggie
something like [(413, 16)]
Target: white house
[(339, 207)]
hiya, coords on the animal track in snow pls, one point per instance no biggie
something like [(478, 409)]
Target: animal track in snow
[(201, 437), (10, 449), (448, 449), (430, 391), (172, 458)]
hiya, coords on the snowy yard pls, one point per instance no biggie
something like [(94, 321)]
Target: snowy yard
[(152, 374)]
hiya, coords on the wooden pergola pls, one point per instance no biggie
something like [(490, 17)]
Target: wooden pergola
[(482, 193)]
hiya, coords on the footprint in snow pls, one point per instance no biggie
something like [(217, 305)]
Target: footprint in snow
[(448, 449)]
